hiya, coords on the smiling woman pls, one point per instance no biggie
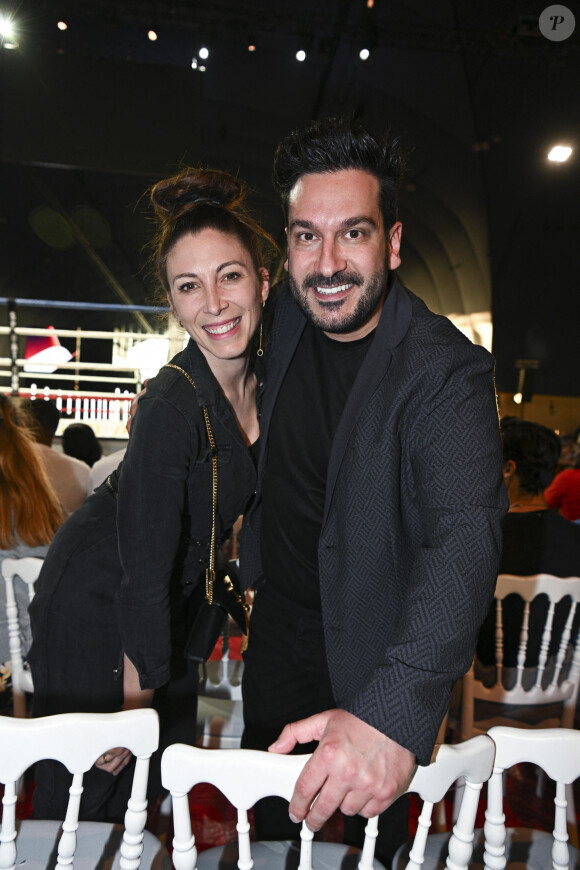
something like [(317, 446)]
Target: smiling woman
[(114, 608), (213, 290)]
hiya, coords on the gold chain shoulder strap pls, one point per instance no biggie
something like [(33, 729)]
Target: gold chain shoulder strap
[(210, 572)]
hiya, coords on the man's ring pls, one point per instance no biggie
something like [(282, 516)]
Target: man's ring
[(105, 758)]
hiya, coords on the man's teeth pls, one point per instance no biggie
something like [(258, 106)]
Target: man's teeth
[(219, 330), (329, 291)]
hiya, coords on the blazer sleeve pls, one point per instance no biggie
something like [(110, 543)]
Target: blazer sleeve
[(151, 501), (460, 499)]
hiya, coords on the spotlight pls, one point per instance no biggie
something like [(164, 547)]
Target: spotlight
[(559, 153), (6, 28), (152, 36), (364, 54), (518, 398), (204, 53), (202, 68), (194, 63), (301, 55), (7, 34), (251, 47), (62, 25), (370, 4)]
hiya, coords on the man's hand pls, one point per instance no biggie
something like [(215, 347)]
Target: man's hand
[(114, 760), (134, 404), (354, 767)]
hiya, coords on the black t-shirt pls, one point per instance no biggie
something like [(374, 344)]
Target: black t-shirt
[(307, 411), (535, 542)]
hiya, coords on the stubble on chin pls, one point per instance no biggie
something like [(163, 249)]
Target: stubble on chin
[(327, 315)]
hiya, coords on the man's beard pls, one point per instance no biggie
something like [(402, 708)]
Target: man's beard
[(327, 315)]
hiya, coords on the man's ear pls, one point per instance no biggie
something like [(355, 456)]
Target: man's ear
[(509, 468), (394, 245)]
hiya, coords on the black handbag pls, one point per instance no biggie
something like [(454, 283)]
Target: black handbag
[(209, 618), (219, 597)]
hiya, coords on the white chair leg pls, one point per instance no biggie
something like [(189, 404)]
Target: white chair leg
[(457, 798), (571, 816)]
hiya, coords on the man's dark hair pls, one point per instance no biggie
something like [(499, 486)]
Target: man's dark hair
[(534, 448), (44, 416), (340, 143)]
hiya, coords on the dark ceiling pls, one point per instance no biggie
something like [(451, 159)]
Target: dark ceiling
[(89, 117)]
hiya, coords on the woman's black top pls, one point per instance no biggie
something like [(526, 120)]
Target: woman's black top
[(164, 508)]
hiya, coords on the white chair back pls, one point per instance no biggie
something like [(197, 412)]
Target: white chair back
[(28, 570), (244, 776), (473, 761), (548, 687), (76, 740), (557, 752)]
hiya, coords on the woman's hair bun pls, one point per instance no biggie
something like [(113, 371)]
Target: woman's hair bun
[(190, 187)]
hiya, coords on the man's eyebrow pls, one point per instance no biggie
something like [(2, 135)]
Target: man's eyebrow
[(346, 224)]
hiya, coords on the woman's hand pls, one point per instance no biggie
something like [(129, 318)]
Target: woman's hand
[(114, 760)]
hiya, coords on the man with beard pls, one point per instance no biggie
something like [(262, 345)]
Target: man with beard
[(374, 538)]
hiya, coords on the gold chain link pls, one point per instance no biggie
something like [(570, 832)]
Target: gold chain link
[(210, 572)]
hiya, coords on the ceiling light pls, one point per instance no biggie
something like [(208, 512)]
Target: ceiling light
[(194, 63), (301, 55), (204, 53), (6, 28), (251, 47), (202, 68), (364, 54), (518, 398), (559, 153), (7, 35), (370, 4), (62, 25), (152, 36)]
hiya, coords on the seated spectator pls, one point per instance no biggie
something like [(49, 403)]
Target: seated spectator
[(80, 441), (536, 539), (70, 477), (563, 494), (105, 466), (30, 514)]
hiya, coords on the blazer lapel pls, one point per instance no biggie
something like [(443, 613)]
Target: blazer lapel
[(391, 329)]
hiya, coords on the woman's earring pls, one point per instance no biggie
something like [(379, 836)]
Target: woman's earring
[(260, 351)]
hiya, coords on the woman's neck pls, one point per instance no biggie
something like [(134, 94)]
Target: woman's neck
[(238, 384)]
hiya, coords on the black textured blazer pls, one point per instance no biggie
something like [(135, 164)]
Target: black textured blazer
[(410, 542)]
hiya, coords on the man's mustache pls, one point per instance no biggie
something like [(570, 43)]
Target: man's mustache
[(318, 280)]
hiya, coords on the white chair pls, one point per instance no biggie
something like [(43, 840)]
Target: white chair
[(245, 776), (77, 740), (472, 761), (557, 752), (551, 693), (28, 570)]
